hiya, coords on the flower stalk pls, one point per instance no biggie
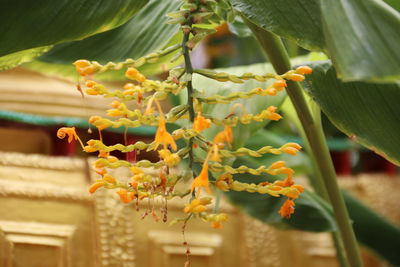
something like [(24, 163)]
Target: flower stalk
[(189, 86)]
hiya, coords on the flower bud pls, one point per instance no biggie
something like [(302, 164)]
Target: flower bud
[(296, 77), (290, 150), (222, 185), (95, 186), (238, 186), (277, 164), (271, 91), (279, 84), (304, 70)]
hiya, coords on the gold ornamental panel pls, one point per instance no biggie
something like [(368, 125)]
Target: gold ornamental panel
[(46, 215), (48, 218)]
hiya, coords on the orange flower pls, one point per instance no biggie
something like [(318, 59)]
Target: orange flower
[(70, 131), (64, 131), (225, 136), (99, 122), (215, 153), (149, 110), (125, 196), (288, 171), (287, 209), (279, 84), (277, 164), (90, 83), (100, 171), (200, 123), (109, 179), (291, 148), (299, 187), (272, 115), (95, 186), (84, 67), (271, 91), (304, 70), (103, 154), (163, 137), (296, 77), (134, 74), (171, 159), (292, 193), (197, 205), (216, 225), (202, 180)]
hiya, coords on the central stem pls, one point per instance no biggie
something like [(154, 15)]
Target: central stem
[(189, 86)]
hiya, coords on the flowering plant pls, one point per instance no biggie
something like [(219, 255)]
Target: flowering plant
[(148, 94), (358, 90)]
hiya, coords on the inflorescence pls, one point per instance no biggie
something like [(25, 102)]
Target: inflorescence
[(148, 94)]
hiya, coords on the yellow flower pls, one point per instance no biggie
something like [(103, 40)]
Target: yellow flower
[(136, 170), (114, 113), (197, 205), (200, 123), (99, 122), (163, 137), (216, 220), (171, 159)]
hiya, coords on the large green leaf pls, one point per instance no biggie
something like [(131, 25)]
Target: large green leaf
[(146, 32), (26, 24), (374, 231), (362, 37), (14, 59), (394, 3), (368, 113), (312, 213), (298, 20)]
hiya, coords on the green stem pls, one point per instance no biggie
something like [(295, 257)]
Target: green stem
[(189, 71), (321, 190), (279, 58), (318, 184)]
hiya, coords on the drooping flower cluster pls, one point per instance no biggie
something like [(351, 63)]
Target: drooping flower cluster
[(216, 173)]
